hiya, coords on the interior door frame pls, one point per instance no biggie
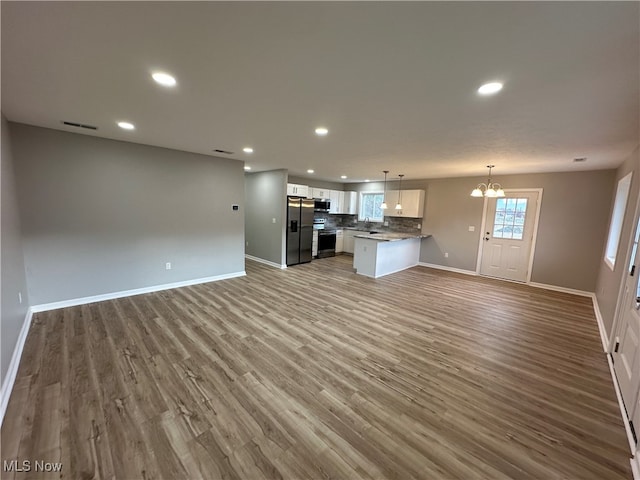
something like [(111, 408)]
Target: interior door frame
[(535, 231)]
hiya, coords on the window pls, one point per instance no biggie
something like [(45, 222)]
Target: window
[(617, 217), (509, 220), (370, 206)]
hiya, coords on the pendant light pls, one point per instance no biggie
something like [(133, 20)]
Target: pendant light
[(383, 205), (399, 204), (490, 190)]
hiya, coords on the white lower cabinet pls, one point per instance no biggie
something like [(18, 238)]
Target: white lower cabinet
[(314, 244), (339, 241), (348, 241)]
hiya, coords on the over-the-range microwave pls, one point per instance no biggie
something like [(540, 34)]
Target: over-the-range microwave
[(321, 204)]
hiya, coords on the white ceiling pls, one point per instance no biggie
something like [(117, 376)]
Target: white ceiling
[(395, 83)]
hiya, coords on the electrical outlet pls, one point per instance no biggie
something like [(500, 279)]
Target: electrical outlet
[(247, 244), (419, 225), (20, 297), (386, 223), (472, 228), (273, 220), (446, 255), (167, 265)]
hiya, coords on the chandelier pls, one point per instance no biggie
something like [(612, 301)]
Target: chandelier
[(488, 189)]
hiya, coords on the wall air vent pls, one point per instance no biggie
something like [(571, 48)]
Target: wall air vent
[(226, 152), (80, 125)]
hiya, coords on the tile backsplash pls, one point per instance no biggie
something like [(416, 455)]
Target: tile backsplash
[(395, 224)]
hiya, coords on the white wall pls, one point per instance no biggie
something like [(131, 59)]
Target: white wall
[(101, 216)]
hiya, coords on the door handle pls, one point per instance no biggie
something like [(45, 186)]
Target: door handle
[(486, 238)]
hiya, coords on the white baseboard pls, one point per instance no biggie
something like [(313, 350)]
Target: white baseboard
[(128, 293), (266, 262), (603, 332), (555, 288), (448, 269), (635, 466), (12, 372)]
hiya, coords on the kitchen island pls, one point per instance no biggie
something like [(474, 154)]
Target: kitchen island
[(379, 254)]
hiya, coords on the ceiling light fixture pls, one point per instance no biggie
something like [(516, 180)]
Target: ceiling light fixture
[(321, 131), (383, 205), (399, 204), (310, 171), (343, 177), (247, 150), (164, 79), (367, 180), (126, 125), (490, 88), (489, 189), (247, 168)]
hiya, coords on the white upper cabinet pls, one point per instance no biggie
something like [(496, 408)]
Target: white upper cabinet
[(350, 203), (319, 192), (298, 190), (337, 199), (412, 204)]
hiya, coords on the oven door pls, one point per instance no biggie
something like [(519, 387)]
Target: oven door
[(326, 244)]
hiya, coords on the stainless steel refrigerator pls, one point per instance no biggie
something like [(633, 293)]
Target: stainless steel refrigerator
[(299, 230)]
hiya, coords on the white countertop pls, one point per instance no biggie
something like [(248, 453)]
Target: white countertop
[(391, 237)]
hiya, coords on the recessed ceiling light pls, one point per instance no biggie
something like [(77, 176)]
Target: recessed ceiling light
[(126, 125), (367, 180), (343, 176), (310, 171), (247, 167), (490, 88), (247, 150), (164, 79), (321, 131)]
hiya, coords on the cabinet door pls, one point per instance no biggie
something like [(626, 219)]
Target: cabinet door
[(348, 242), (336, 201), (319, 193), (291, 189), (339, 241), (350, 205)]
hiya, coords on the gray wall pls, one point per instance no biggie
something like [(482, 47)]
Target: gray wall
[(571, 233), (608, 281), (13, 273), (102, 216), (266, 194)]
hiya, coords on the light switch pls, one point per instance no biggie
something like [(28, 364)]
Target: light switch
[(472, 228), (273, 220)]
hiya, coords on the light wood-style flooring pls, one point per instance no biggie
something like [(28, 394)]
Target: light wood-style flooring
[(314, 372)]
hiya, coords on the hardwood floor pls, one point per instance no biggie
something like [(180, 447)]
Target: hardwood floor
[(315, 372)]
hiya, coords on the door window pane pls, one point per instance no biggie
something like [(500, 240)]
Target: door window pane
[(509, 219)]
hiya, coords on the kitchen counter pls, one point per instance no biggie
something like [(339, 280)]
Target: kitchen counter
[(379, 254), (391, 237)]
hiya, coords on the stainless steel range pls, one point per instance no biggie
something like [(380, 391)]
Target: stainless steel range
[(326, 239)]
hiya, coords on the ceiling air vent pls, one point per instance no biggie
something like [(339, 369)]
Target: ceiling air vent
[(226, 152), (580, 159), (80, 125)]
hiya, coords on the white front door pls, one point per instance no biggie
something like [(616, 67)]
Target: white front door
[(508, 236), (626, 354)]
